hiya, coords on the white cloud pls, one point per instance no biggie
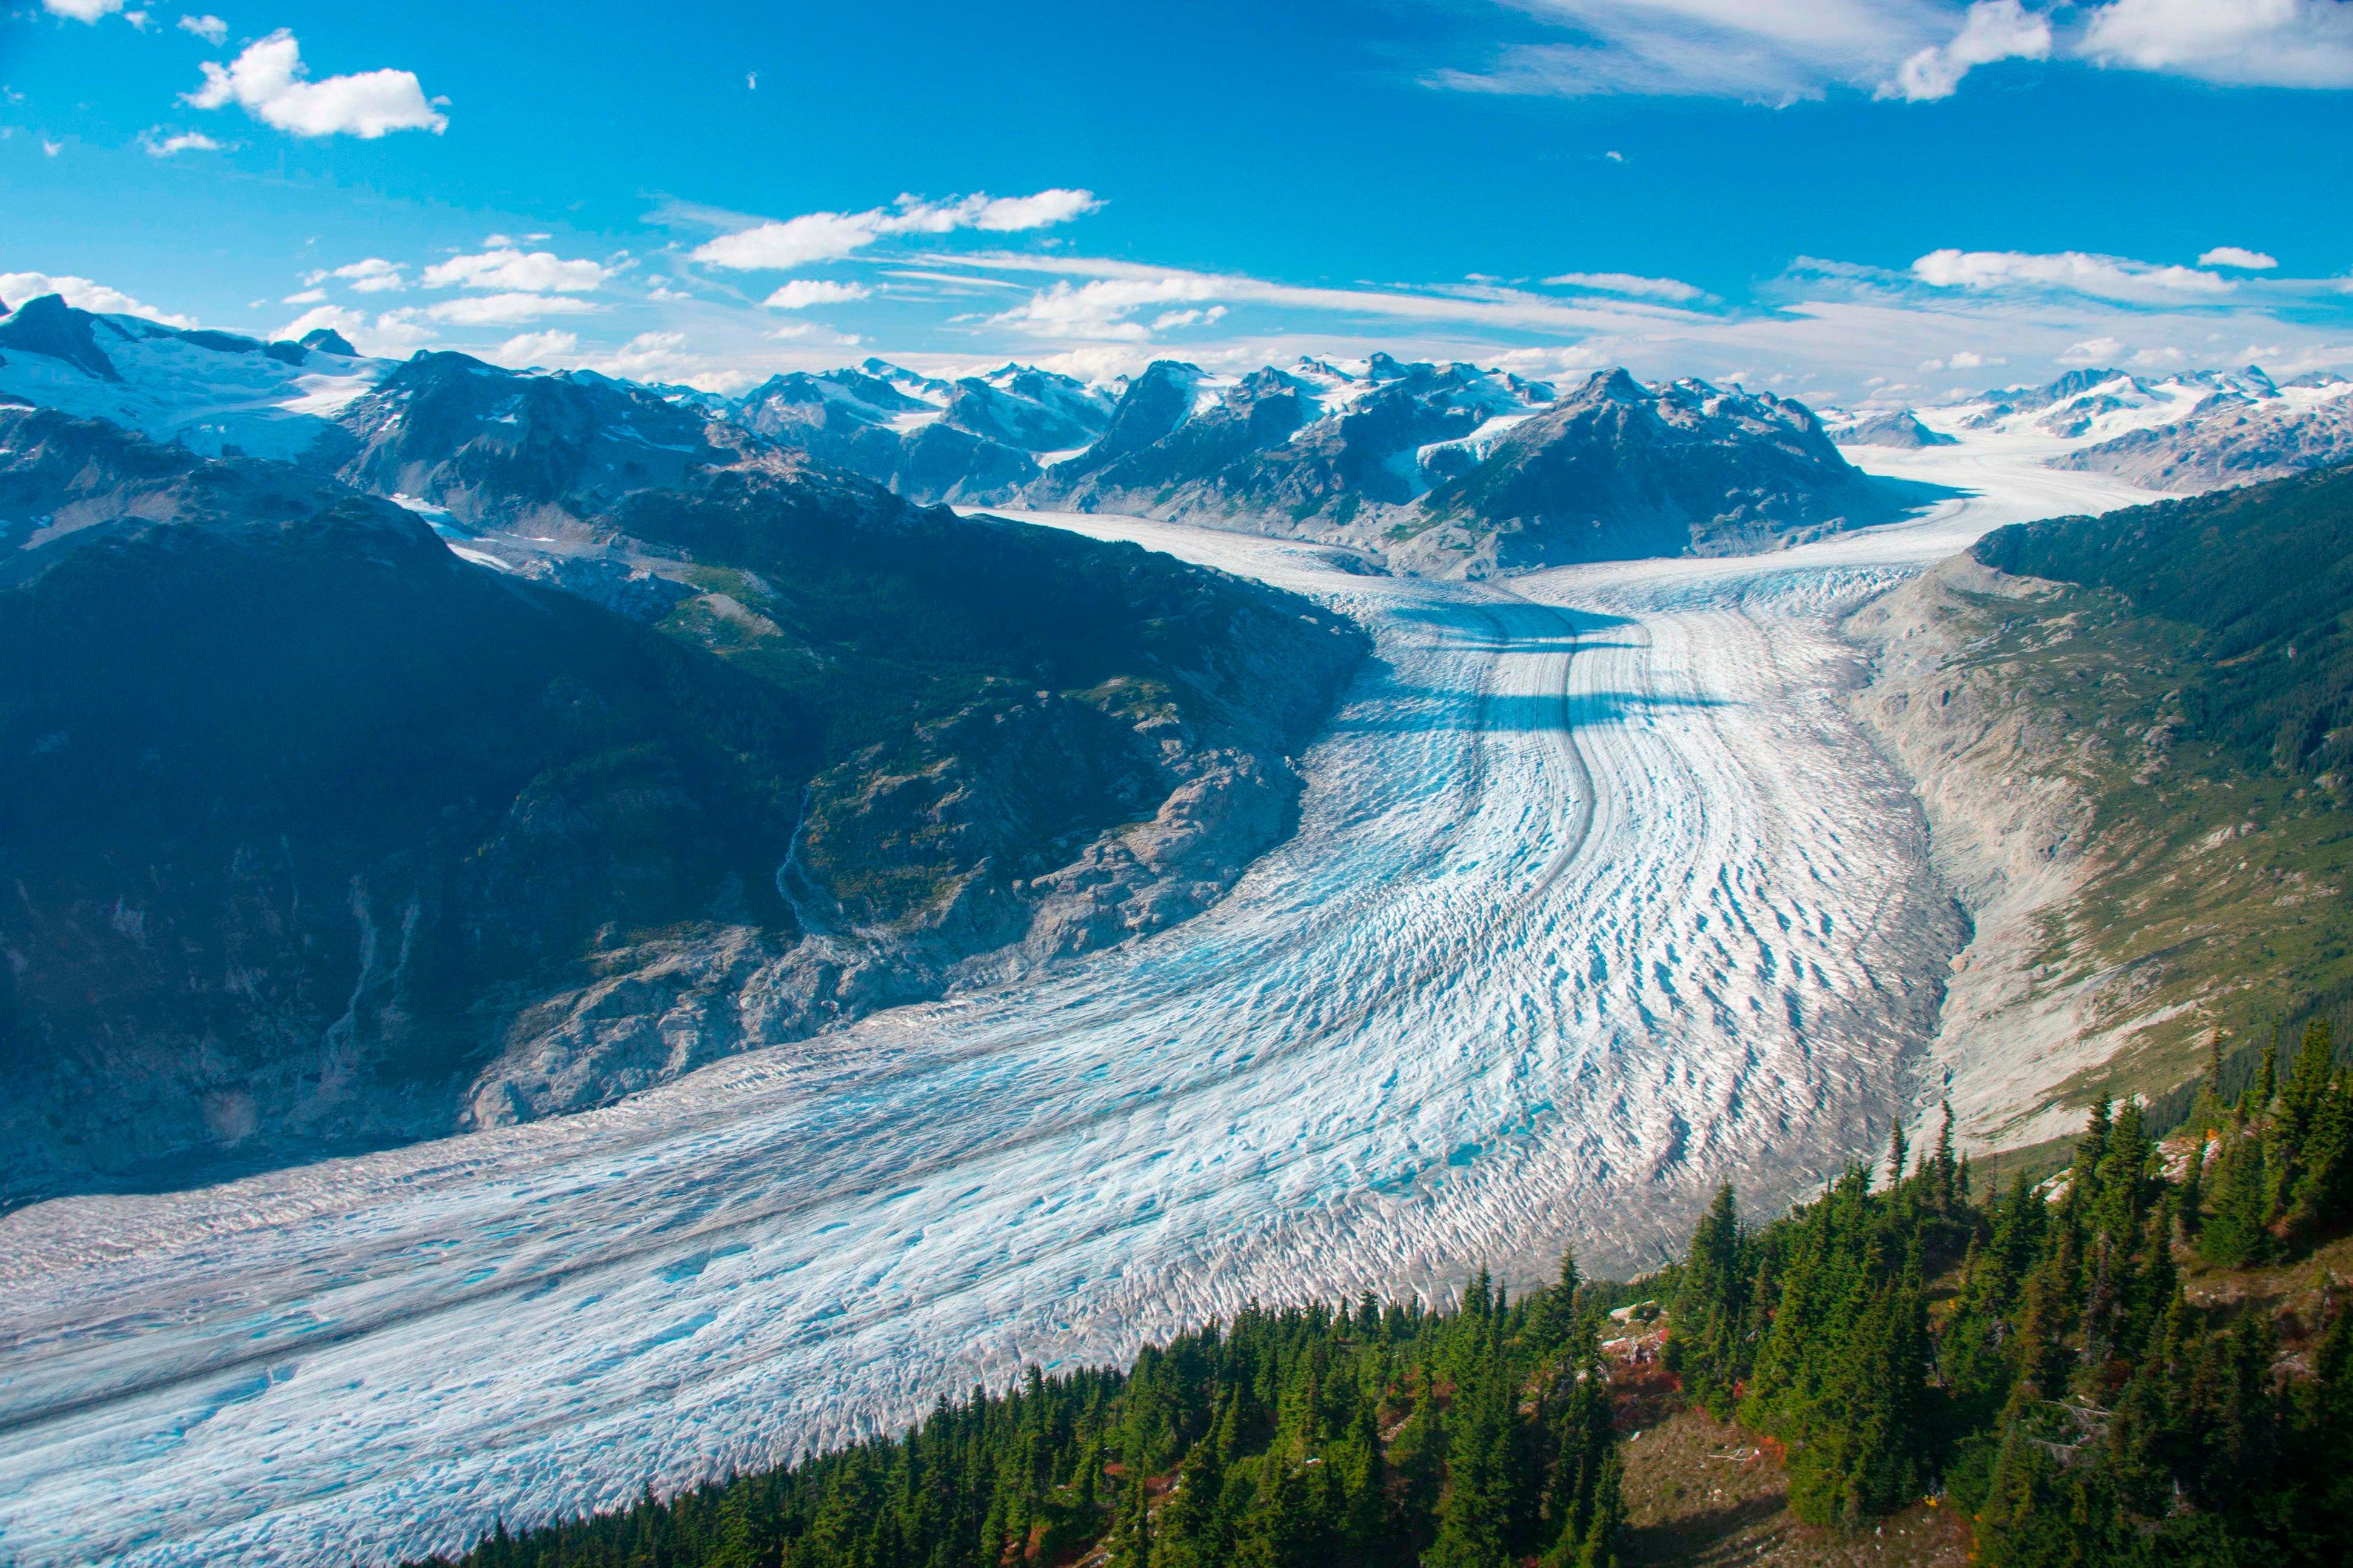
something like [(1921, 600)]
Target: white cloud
[(666, 357), (829, 237), (535, 348), (506, 309), (803, 292), (2092, 351), (81, 10), (209, 27), (373, 276), (1993, 30), (2107, 277), (270, 81), (1968, 360), (82, 294), (1779, 51), (1101, 308), (51, 149), (161, 146), (1169, 320), (394, 333), (2268, 43), (1626, 283), (307, 297), (537, 271), (2231, 256), (334, 317), (1773, 51)]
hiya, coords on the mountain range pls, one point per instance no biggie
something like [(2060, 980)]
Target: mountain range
[(2187, 431), (322, 832), (1445, 468)]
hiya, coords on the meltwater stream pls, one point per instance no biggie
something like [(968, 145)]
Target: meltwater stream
[(1598, 899)]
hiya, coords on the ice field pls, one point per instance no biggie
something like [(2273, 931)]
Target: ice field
[(1598, 897)]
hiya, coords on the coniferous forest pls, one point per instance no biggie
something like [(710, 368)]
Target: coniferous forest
[(1313, 1435), (2027, 1355)]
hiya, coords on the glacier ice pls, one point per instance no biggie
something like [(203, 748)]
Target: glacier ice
[(1598, 899)]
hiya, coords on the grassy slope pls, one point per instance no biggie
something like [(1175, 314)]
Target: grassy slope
[(2190, 666)]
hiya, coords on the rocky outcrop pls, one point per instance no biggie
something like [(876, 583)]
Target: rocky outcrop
[(1900, 428), (2229, 439), (350, 840), (2010, 830), (1616, 469)]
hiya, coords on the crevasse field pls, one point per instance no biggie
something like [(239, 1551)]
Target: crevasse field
[(1598, 897)]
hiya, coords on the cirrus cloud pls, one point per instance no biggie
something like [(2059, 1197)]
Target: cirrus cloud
[(781, 246), (1779, 53), (1626, 283), (270, 82)]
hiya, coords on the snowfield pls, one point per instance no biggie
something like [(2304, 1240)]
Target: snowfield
[(1598, 897)]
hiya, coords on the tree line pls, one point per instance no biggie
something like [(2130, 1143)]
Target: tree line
[(2034, 1356), (1364, 1436)]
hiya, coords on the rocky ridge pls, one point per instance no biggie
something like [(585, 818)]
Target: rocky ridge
[(742, 746)]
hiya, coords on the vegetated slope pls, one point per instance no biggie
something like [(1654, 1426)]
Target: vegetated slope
[(322, 833), (1359, 1437), (298, 805), (2103, 1373), (2129, 733)]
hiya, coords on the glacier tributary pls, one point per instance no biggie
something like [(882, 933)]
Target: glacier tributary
[(1598, 899)]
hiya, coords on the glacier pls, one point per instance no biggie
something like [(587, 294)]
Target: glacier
[(1598, 898)]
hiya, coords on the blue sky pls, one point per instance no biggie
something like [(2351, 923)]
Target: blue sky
[(1839, 198)]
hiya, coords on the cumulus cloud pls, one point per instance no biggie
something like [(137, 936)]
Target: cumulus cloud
[(2107, 277), (506, 309), (81, 10), (373, 276), (803, 292), (507, 268), (535, 348), (270, 82), (2231, 256), (82, 294), (668, 357), (829, 236), (1993, 30), (392, 333), (1626, 283), (336, 318), (160, 146), (306, 297), (2092, 351), (209, 27), (2260, 43)]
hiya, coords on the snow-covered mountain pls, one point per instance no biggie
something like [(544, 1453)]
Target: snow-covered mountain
[(2186, 431), (1433, 464), (980, 438), (213, 393)]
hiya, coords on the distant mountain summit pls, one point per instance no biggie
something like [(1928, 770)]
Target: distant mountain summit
[(1427, 463)]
